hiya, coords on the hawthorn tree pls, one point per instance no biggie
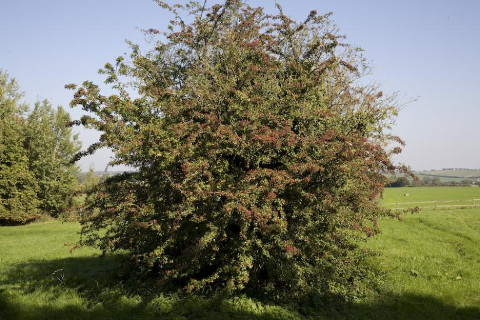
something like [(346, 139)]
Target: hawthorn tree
[(258, 154)]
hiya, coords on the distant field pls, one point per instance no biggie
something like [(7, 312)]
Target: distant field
[(435, 196)]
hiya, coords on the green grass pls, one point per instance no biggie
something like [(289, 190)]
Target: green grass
[(41, 279), (456, 196), (431, 265), (429, 269)]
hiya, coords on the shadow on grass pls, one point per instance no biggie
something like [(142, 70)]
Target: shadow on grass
[(87, 288)]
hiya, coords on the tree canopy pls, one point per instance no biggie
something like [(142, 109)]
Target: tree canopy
[(258, 154), (51, 147), (36, 151), (18, 200)]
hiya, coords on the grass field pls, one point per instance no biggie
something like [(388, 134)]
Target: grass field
[(429, 268), (427, 196), (431, 265)]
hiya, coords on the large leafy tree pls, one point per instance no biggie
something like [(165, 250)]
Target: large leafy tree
[(51, 146), (258, 153), (18, 188)]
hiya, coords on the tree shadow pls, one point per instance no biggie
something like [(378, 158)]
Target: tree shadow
[(403, 307), (90, 288)]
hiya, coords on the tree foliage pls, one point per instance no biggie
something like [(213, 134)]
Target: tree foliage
[(258, 155), (399, 182), (18, 198), (36, 150), (51, 147)]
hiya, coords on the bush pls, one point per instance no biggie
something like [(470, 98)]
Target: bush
[(258, 155)]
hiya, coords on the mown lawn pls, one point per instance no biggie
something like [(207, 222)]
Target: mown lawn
[(429, 266)]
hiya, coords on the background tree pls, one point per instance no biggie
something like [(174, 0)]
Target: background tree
[(51, 147), (399, 182), (84, 194), (89, 188), (259, 155), (436, 181), (18, 187), (432, 181), (417, 183), (427, 181)]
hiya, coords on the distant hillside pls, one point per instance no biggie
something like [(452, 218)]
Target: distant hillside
[(451, 174), (444, 177)]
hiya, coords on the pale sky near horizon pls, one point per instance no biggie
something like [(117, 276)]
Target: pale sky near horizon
[(425, 49)]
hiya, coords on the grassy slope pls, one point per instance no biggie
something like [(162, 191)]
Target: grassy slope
[(459, 174), (442, 179), (430, 267)]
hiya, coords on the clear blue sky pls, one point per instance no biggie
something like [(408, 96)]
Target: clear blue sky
[(423, 49)]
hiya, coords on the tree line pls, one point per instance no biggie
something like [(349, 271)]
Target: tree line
[(426, 182), (36, 148)]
